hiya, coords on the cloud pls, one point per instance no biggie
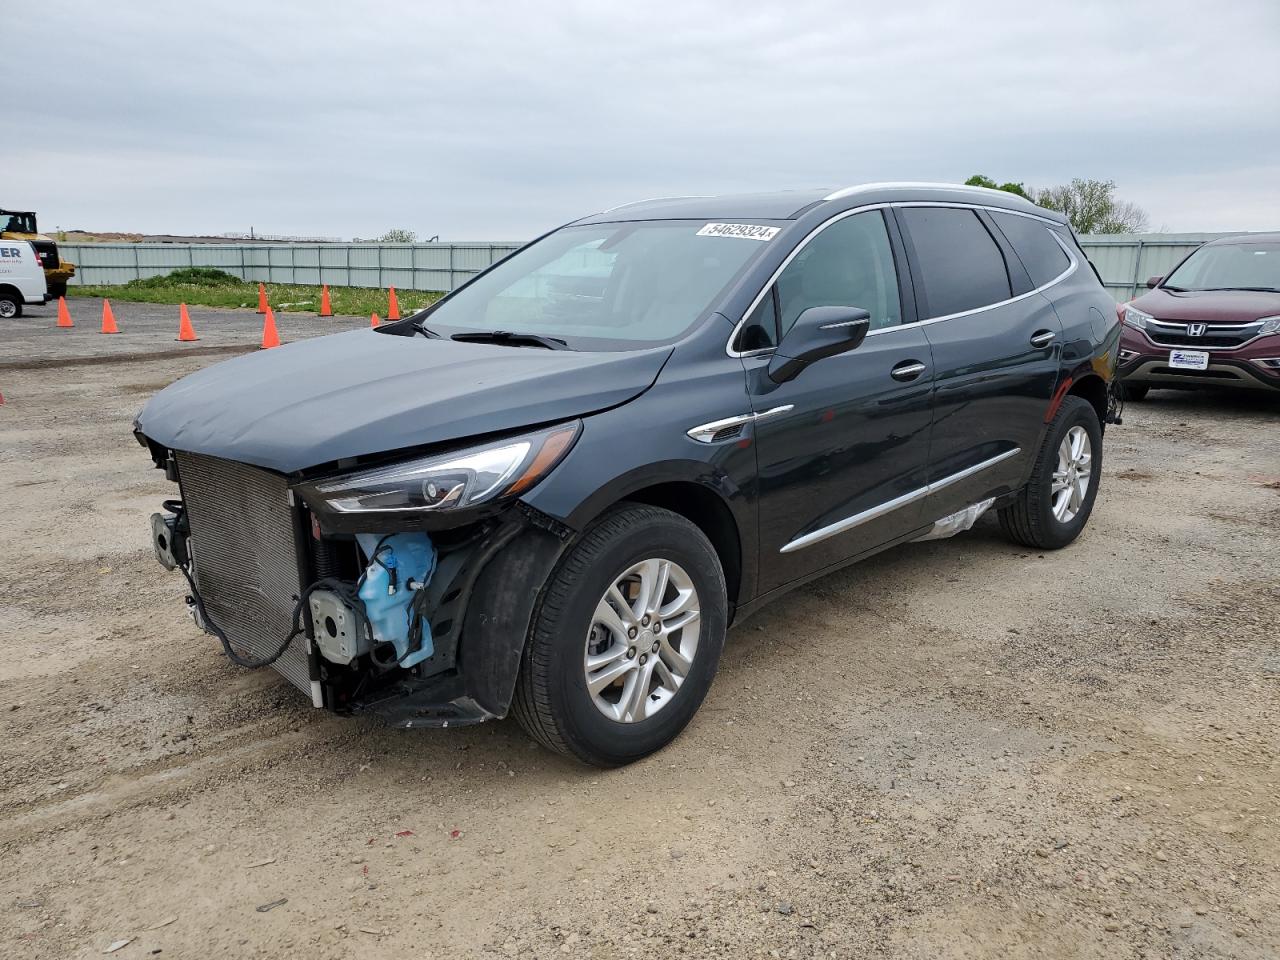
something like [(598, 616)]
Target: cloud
[(496, 120)]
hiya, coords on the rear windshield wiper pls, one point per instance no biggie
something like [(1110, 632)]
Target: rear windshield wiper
[(512, 339)]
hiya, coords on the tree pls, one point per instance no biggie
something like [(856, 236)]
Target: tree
[(978, 180), (1092, 207), (398, 235)]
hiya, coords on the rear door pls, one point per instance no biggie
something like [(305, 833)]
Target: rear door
[(843, 448), (995, 345)]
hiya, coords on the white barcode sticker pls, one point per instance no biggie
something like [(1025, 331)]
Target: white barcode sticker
[(747, 231)]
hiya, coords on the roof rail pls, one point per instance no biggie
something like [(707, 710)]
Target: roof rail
[(907, 184), (632, 203)]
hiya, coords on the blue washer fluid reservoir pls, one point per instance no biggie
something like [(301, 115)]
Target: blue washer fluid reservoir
[(386, 594)]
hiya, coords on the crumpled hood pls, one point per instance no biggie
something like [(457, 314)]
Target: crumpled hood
[(363, 392)]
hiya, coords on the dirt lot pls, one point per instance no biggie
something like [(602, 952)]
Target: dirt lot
[(959, 749)]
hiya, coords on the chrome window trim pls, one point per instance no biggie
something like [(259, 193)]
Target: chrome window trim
[(857, 519), (764, 351)]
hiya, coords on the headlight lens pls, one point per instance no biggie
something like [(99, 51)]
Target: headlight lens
[(450, 481), (1135, 317), (1269, 325)]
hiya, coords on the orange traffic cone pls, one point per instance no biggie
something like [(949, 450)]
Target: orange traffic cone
[(262, 299), (373, 320), (186, 332), (393, 306), (326, 310), (108, 318), (270, 338), (64, 315)]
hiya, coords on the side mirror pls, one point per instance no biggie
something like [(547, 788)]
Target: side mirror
[(818, 332), (1153, 282)]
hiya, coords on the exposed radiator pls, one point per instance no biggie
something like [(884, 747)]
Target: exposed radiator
[(245, 557)]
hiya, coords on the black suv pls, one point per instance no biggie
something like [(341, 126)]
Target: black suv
[(551, 492)]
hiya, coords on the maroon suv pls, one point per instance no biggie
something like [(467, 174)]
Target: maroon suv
[(1213, 321)]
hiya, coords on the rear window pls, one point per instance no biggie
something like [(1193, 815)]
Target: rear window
[(1034, 245), (960, 266)]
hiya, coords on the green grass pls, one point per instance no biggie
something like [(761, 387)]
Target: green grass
[(213, 288)]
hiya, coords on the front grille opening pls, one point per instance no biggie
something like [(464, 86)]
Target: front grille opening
[(246, 556)]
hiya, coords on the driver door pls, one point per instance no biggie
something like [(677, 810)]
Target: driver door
[(842, 450)]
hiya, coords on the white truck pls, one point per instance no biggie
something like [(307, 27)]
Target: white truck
[(21, 278)]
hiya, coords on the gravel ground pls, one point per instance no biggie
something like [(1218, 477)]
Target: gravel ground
[(146, 329), (957, 749)]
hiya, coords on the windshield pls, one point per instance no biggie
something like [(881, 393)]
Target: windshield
[(1229, 266), (633, 283)]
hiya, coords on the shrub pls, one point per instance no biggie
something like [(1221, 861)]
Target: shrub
[(190, 276)]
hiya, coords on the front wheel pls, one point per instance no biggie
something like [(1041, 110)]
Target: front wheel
[(1054, 506), (625, 640)]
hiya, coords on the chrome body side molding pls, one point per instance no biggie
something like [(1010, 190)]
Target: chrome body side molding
[(848, 523)]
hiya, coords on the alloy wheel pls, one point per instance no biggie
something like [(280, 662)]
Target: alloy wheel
[(1072, 477), (642, 640)]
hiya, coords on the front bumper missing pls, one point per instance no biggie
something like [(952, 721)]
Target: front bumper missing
[(479, 603)]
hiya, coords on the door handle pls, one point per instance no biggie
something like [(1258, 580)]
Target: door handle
[(1042, 338), (907, 370)]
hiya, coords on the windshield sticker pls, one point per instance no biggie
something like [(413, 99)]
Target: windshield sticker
[(747, 231)]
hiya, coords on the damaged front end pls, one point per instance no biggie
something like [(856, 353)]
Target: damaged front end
[(403, 590)]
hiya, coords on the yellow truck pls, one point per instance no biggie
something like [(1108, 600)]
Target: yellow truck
[(21, 225)]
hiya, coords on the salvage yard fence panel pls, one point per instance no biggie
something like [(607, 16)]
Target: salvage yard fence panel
[(408, 266), (1124, 261)]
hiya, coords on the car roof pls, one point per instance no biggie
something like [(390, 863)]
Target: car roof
[(792, 204), (1247, 238)]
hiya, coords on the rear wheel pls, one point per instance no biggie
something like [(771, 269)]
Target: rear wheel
[(625, 640), (1135, 391), (1054, 506), (10, 305), (58, 288)]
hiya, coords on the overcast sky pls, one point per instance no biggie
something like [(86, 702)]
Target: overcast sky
[(496, 121)]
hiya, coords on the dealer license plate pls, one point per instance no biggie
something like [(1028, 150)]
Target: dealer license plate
[(1188, 360)]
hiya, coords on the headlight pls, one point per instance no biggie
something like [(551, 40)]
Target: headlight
[(1135, 317), (450, 481), (1269, 325)]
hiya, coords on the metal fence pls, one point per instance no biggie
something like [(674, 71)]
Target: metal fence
[(408, 266), (1125, 261)]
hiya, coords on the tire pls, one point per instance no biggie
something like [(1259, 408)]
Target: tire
[(10, 305), (58, 289), (1135, 391), (552, 700), (1031, 519)]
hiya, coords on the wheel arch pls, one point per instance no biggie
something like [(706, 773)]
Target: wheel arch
[(704, 508), (1094, 389)]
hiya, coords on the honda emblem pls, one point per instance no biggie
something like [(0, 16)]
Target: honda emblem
[(1196, 329)]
